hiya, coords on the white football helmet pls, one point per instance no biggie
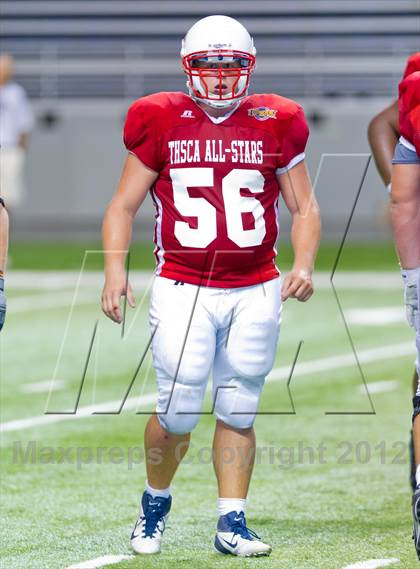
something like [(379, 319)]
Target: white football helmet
[(218, 47)]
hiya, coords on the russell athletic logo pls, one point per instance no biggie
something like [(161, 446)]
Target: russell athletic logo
[(262, 113), (187, 115)]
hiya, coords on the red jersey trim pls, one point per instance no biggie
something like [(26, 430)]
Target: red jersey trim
[(267, 274)]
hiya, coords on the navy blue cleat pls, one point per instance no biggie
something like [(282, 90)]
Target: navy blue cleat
[(234, 538), (413, 482), (416, 520), (147, 533), (2, 303)]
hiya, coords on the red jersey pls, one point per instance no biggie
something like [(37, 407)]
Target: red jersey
[(404, 98), (408, 102), (216, 196), (415, 123), (413, 64)]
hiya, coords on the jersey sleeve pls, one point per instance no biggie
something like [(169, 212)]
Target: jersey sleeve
[(414, 119), (294, 142), (141, 136), (409, 92), (413, 64)]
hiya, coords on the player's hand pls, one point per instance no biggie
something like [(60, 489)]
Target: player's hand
[(297, 284), (114, 289), (2, 303), (411, 278)]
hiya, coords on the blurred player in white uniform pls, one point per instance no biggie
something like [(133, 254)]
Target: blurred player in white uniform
[(405, 214), (16, 122), (384, 134), (216, 161), (4, 243)]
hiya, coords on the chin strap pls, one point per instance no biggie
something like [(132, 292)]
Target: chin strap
[(215, 104)]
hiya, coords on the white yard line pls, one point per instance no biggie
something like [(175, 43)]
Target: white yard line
[(100, 562), (55, 299), (344, 360), (380, 386), (82, 412), (372, 564), (44, 386), (61, 287), (378, 316), (280, 373), (57, 280)]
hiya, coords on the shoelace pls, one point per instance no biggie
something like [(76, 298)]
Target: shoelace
[(153, 516), (239, 528)]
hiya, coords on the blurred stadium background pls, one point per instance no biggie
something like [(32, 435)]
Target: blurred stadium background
[(83, 62)]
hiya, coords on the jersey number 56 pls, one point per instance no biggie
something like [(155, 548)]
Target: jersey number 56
[(235, 204)]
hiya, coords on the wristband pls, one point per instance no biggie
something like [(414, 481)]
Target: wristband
[(410, 275)]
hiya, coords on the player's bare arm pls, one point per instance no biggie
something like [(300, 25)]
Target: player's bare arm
[(297, 192), (405, 215), (4, 243), (383, 134), (136, 180), (405, 211)]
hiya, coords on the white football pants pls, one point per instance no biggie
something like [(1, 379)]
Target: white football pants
[(231, 331)]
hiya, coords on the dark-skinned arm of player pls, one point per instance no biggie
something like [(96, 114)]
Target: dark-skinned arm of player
[(4, 245), (135, 182), (405, 215), (298, 195), (383, 134)]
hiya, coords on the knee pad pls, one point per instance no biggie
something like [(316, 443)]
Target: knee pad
[(252, 351), (416, 406), (182, 378), (236, 404), (237, 421), (189, 363), (178, 424), (179, 404)]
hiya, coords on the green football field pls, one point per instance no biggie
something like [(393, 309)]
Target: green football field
[(330, 486)]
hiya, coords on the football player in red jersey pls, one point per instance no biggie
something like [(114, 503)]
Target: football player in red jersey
[(384, 130), (216, 162), (405, 214), (384, 133)]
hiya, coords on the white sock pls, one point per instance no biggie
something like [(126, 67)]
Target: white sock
[(418, 475), (226, 505), (165, 493)]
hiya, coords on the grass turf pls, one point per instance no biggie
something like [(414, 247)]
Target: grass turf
[(40, 255), (321, 508)]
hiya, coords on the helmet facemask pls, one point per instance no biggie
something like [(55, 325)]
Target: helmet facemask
[(219, 77)]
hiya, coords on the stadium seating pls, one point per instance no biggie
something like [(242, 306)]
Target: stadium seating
[(107, 49)]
